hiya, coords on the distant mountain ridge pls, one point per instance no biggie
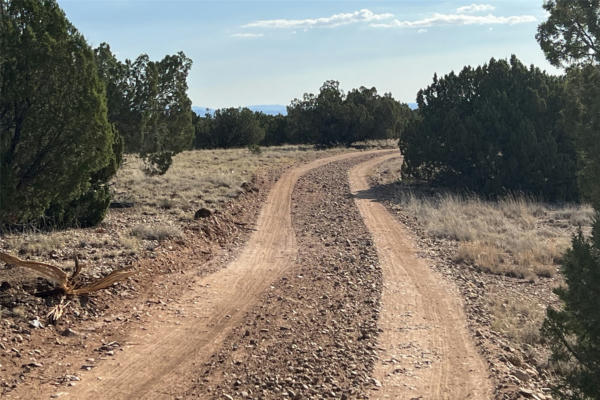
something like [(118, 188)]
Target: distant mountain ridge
[(270, 109)]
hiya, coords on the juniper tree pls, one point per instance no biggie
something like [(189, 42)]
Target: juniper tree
[(57, 148), (493, 129), (570, 37), (148, 103)]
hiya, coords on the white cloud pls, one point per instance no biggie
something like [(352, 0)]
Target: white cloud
[(247, 35), (475, 8), (360, 16), (422, 30), (457, 19)]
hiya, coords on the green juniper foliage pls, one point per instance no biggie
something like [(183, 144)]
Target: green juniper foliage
[(57, 148), (571, 35), (333, 117), (574, 331), (583, 119), (148, 103), (493, 130), (229, 127), (327, 119)]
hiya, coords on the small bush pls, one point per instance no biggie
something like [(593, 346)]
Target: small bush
[(254, 149), (157, 163), (158, 232)]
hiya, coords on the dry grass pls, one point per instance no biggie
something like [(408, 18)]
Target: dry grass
[(518, 319), (158, 232), (36, 244), (206, 178), (515, 236), (163, 206)]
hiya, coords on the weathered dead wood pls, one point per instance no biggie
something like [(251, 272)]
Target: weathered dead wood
[(66, 283)]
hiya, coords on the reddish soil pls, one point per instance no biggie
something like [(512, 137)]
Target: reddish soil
[(51, 358), (426, 348), (314, 305), (158, 327), (313, 333)]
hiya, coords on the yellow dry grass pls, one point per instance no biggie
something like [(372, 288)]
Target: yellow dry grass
[(514, 236), (518, 319), (203, 178), (163, 206)]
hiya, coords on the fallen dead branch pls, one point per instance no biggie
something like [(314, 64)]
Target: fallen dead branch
[(66, 283), (58, 310)]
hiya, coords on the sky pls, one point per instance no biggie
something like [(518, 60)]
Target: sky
[(270, 52)]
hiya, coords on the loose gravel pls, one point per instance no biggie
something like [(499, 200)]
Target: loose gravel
[(314, 333)]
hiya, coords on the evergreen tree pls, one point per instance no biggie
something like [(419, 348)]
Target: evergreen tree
[(333, 118), (148, 104), (57, 148), (570, 37), (571, 34), (574, 331), (236, 127), (276, 129), (493, 129), (583, 118)]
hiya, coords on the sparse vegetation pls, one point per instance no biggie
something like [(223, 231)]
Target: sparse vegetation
[(158, 232), (514, 236), (517, 318), (164, 205), (197, 179)]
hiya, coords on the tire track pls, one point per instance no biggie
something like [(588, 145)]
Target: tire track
[(426, 348)]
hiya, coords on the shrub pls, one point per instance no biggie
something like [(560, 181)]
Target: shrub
[(574, 331), (493, 130), (583, 117), (57, 148)]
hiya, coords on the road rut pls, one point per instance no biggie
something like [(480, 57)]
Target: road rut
[(426, 348)]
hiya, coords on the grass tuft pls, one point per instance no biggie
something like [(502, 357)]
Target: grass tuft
[(156, 232)]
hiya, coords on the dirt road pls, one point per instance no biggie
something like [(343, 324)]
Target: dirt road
[(316, 281), (427, 351), (163, 358)]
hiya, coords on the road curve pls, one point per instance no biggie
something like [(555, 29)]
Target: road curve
[(166, 356), (426, 350)]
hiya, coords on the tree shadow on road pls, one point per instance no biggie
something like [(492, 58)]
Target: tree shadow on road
[(398, 192)]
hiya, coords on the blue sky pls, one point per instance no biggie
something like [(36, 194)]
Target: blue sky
[(269, 52)]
